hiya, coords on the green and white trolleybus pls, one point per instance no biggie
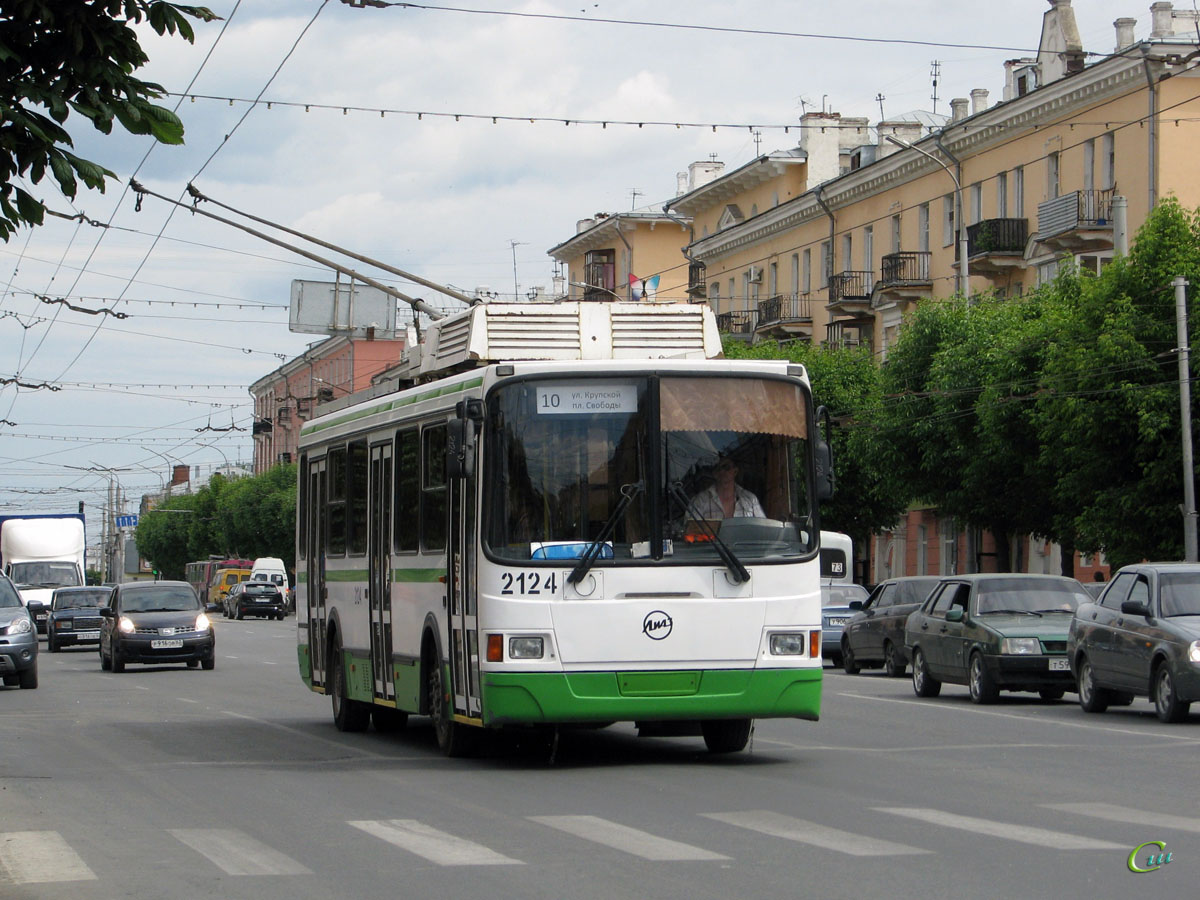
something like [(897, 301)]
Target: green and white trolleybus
[(514, 532)]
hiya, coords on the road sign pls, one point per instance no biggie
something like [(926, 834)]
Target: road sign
[(127, 521)]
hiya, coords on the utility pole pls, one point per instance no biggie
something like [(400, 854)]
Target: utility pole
[(1185, 417), (516, 287)]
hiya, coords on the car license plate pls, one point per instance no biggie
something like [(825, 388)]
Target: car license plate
[(88, 635), (164, 644), (1061, 664), (839, 620), (263, 600)]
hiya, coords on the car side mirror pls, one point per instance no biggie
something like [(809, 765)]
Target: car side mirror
[(106, 612), (1135, 608), (954, 615), (856, 604), (35, 606)]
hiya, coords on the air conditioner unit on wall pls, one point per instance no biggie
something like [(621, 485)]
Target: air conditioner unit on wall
[(755, 275)]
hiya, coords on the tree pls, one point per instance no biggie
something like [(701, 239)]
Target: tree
[(77, 56)]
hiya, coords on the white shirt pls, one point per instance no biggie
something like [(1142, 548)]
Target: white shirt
[(707, 505)]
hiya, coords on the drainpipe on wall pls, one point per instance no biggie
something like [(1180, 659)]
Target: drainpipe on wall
[(818, 192), (691, 240), (629, 268), (1152, 166)]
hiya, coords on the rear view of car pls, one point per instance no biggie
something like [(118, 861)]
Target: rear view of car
[(259, 598), (835, 613), (74, 616), (18, 639)]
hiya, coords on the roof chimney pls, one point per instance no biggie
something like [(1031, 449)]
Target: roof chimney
[(1124, 33), (681, 183), (958, 109), (701, 173), (180, 474), (1160, 19), (820, 139), (909, 132), (979, 100)]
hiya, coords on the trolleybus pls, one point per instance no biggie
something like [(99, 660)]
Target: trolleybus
[(514, 538)]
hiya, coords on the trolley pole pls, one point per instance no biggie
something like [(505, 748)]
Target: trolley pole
[(1185, 417)]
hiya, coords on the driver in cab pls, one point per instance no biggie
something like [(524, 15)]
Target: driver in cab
[(725, 498)]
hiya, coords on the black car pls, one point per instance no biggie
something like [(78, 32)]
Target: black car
[(874, 636), (155, 622), (256, 598), (1140, 638), (994, 632), (74, 616)]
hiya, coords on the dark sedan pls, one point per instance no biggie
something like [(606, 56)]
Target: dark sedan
[(75, 616), (1141, 637), (874, 636), (994, 632), (155, 622)]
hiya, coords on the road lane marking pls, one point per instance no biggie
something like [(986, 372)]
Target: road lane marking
[(989, 712), (1026, 834), (236, 853), (622, 837), (436, 846), (38, 857), (804, 832), (1127, 815), (186, 700)]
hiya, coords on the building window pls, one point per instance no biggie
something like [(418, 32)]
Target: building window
[(1089, 165), (922, 549), (868, 252), (600, 272), (947, 220), (795, 274), (847, 252), (1108, 162), (806, 271), (714, 294), (948, 562), (976, 203), (923, 227), (825, 265), (895, 234), (773, 280), (1019, 192), (1002, 195), (1052, 183)]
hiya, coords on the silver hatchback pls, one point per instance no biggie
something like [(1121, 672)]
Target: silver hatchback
[(18, 639)]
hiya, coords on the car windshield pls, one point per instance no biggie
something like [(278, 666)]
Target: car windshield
[(80, 599), (46, 574), (159, 599), (842, 594), (1179, 594), (669, 468), (259, 588), (8, 595), (1028, 595)]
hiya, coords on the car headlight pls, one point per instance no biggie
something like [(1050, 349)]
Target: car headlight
[(1194, 651), (126, 624), (784, 644), (1019, 646), (202, 622), (21, 626), (525, 648)]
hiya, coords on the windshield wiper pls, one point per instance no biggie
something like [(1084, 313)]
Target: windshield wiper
[(1011, 612), (628, 492), (740, 573), (1039, 612)]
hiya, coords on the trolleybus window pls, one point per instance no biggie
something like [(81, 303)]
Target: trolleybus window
[(625, 462), (356, 527), (336, 545), (433, 488), (408, 474)]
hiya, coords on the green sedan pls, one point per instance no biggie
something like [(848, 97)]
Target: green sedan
[(994, 632)]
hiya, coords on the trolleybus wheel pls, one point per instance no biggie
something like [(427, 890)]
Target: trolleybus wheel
[(453, 738), (726, 735), (348, 715)]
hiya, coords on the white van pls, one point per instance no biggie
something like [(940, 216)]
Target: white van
[(270, 568)]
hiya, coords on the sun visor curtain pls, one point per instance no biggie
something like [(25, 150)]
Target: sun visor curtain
[(752, 406)]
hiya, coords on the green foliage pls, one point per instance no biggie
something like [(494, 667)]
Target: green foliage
[(64, 56), (846, 382), (241, 517)]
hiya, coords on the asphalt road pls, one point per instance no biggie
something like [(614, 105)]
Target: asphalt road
[(178, 783)]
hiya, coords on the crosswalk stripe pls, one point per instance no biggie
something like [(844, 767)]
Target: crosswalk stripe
[(1025, 834), (1127, 815), (37, 857), (626, 839), (236, 853), (804, 832), (436, 846)]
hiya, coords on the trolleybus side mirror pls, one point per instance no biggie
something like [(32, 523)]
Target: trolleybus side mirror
[(460, 448), (823, 457)]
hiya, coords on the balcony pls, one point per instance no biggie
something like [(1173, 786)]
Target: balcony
[(996, 245), (850, 293), (784, 316), (738, 324), (697, 287), (903, 277), (1077, 222), (848, 336)]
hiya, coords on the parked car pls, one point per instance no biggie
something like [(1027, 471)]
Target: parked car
[(1140, 638), (18, 639), (257, 598), (230, 599), (994, 632), (155, 622), (835, 613), (75, 616), (874, 636)]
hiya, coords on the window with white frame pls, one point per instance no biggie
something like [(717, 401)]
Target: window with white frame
[(795, 274), (806, 271), (847, 252), (823, 276), (1002, 195), (947, 220), (1108, 162), (1019, 192), (1052, 175), (1089, 165), (868, 252), (773, 280), (923, 227), (976, 203), (896, 234)]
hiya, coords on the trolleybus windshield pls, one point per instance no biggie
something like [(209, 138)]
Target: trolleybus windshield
[(563, 456)]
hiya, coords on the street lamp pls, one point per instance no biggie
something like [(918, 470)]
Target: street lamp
[(594, 287), (963, 270)]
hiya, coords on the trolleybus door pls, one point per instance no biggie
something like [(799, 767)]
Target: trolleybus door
[(316, 595), (379, 564), (464, 628)]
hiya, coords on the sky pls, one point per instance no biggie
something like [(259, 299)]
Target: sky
[(354, 139)]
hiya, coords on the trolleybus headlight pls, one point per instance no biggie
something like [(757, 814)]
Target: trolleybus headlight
[(525, 648), (787, 644)]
